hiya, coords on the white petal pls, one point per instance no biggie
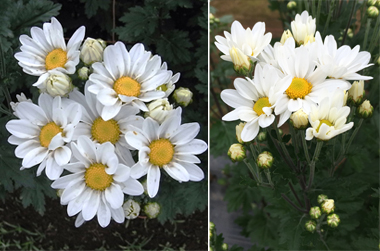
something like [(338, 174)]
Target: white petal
[(177, 172), (103, 214), (62, 155), (22, 129), (91, 207), (196, 146), (185, 133), (122, 173), (72, 192), (153, 180), (139, 170), (35, 157), (114, 196), (195, 172), (133, 187)]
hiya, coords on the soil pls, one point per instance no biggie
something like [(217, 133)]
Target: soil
[(56, 231)]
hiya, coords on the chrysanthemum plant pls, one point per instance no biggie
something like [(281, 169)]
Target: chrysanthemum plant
[(300, 105), (107, 149)]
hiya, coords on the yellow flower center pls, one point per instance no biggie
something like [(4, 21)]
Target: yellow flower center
[(323, 121), (260, 104), (161, 152), (104, 131), (299, 88), (55, 58), (127, 86), (48, 132), (97, 178)]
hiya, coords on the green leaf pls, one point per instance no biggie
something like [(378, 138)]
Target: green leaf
[(175, 46), (92, 6)]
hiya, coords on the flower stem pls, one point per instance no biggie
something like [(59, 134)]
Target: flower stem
[(283, 147), (267, 173), (312, 164), (319, 223), (252, 171), (253, 151), (332, 7), (295, 194), (292, 204), (368, 27), (348, 23), (294, 139), (258, 145), (354, 134), (305, 148), (279, 150), (318, 12)]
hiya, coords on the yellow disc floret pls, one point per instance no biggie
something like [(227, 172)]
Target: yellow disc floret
[(299, 88), (323, 121), (104, 131), (260, 104), (161, 152), (48, 132), (97, 178), (55, 58), (127, 86)]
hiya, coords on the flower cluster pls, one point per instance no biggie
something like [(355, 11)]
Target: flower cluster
[(318, 213), (303, 78), (86, 141)]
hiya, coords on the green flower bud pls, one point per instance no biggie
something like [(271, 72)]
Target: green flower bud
[(265, 160), (225, 246), (371, 2), (183, 96), (291, 5), (365, 109), (333, 220), (83, 73), (280, 132), (237, 152), (152, 210), (350, 33), (239, 129), (328, 206), (242, 63), (356, 93), (322, 198), (315, 212), (372, 12), (262, 136), (310, 226)]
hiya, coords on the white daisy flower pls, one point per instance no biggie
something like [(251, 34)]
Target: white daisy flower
[(308, 83), (303, 28), (97, 183), (169, 84), (47, 50), (169, 146), (42, 133), (94, 127), (343, 62), (127, 78), (329, 118), (250, 42), (255, 99)]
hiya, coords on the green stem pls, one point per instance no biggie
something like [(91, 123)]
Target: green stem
[(294, 139), (319, 223), (368, 27), (312, 164), (267, 173), (313, 10), (307, 7), (283, 147), (258, 145), (318, 12), (354, 134), (292, 204), (255, 176), (253, 151), (375, 37), (348, 23), (305, 148), (332, 7)]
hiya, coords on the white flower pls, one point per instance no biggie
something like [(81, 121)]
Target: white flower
[(94, 127), (183, 96), (169, 146), (270, 55), (91, 51), (308, 84), (329, 118), (42, 132), (159, 110), (47, 50), (127, 78), (249, 42), (97, 183), (169, 84), (343, 62), (55, 83), (241, 61), (303, 27), (254, 100), (131, 209), (20, 98)]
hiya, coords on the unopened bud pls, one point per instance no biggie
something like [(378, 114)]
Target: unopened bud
[(285, 35), (265, 160), (372, 12), (83, 73), (59, 192), (91, 51), (159, 110), (308, 39), (224, 246), (102, 42), (345, 97), (328, 206), (291, 5), (299, 119), (242, 63), (365, 109), (310, 226), (350, 33), (56, 84), (262, 136), (371, 2), (183, 96), (131, 209), (356, 93), (333, 220), (322, 198), (239, 129), (236, 152), (315, 212), (152, 210)]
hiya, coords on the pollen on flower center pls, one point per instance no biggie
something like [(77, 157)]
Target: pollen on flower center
[(299, 88), (55, 58), (127, 86), (260, 104), (161, 152), (324, 121), (104, 131), (97, 178), (48, 132)]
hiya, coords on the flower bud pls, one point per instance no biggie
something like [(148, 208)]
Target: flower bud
[(262, 136), (91, 51), (292, 5), (333, 220), (280, 132), (236, 152), (224, 246), (372, 12), (315, 212), (55, 83), (239, 129), (265, 160), (242, 63), (328, 206), (365, 109), (131, 209), (183, 96), (83, 73), (102, 42), (152, 209), (322, 198), (356, 92), (285, 35), (59, 192), (371, 2), (350, 33), (159, 110), (310, 226), (299, 119), (345, 97)]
